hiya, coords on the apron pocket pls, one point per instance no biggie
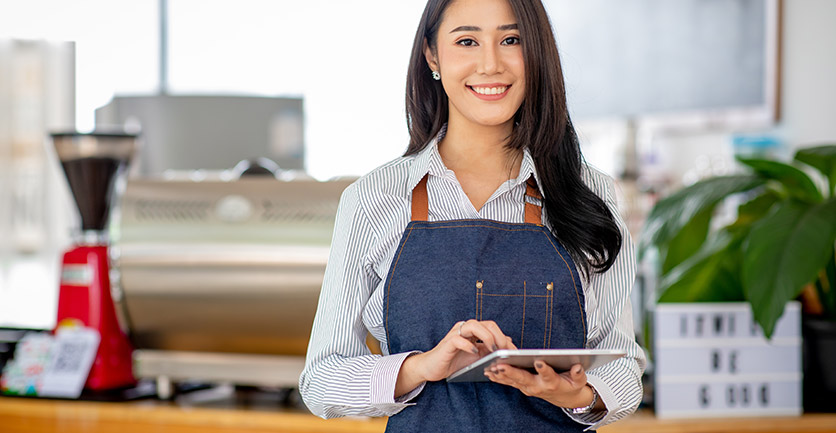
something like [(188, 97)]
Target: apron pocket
[(523, 310)]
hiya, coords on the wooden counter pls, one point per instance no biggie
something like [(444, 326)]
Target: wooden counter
[(41, 416), (19, 415)]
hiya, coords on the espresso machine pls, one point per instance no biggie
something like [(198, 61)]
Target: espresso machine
[(91, 163)]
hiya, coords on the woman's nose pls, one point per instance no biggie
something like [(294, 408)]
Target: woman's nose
[(489, 61)]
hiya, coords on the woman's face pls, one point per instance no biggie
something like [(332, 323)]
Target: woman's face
[(480, 60)]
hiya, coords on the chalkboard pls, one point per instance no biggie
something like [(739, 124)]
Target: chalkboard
[(637, 57)]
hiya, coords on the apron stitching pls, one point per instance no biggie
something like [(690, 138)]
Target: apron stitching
[(522, 333), (478, 315), (389, 286), (516, 296), (480, 221), (551, 317), (481, 299), (548, 319), (481, 226)]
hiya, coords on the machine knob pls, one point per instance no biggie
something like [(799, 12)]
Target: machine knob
[(234, 209)]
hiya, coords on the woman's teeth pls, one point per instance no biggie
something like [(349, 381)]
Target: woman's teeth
[(490, 90)]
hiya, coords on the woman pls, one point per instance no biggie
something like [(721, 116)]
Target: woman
[(490, 233)]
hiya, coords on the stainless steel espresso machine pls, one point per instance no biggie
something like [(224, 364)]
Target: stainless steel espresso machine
[(219, 279), (219, 269)]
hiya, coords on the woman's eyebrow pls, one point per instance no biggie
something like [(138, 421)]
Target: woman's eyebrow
[(479, 29)]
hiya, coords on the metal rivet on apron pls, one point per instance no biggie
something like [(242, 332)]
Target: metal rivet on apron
[(550, 286), (478, 284)]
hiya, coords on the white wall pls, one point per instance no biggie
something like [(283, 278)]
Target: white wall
[(809, 72)]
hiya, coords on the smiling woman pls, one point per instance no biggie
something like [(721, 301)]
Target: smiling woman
[(489, 233)]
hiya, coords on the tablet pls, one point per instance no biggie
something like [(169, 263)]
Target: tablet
[(559, 359)]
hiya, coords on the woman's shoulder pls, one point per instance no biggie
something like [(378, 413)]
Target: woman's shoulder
[(599, 182), (389, 180)]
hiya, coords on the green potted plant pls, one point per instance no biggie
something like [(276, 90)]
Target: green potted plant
[(780, 245)]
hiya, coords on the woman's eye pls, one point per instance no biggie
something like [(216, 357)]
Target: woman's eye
[(466, 42), (513, 40)]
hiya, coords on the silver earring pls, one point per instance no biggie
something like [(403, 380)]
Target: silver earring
[(436, 76)]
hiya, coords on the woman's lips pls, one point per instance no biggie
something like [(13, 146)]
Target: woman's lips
[(490, 92)]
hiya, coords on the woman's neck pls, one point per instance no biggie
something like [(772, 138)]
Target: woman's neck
[(478, 156), (473, 148)]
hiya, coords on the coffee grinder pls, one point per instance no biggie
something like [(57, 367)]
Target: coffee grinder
[(91, 163)]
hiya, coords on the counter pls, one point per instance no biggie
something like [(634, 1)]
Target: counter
[(23, 415)]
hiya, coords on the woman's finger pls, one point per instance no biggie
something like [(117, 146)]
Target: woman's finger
[(577, 375), (516, 377), (456, 329), (545, 371), (500, 338), (510, 343), (464, 344), (495, 377), (515, 374), (475, 329)]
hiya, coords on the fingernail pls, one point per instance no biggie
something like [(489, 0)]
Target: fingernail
[(475, 350), (494, 348), (538, 364)]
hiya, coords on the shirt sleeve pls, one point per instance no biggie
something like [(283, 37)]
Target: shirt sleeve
[(618, 383), (341, 376)]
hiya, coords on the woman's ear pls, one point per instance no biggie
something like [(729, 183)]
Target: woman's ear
[(432, 62)]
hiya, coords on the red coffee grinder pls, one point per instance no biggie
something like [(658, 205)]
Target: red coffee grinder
[(91, 163)]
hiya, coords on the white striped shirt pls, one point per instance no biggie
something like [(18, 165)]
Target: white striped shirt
[(342, 377)]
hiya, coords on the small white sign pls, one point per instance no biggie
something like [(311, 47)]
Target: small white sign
[(713, 360), (76, 275), (70, 360)]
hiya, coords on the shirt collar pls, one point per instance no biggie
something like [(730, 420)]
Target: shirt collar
[(428, 160), (527, 170)]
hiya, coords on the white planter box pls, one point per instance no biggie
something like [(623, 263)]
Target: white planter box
[(712, 360)]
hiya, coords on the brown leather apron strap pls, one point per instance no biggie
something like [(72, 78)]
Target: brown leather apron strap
[(420, 203), (533, 212)]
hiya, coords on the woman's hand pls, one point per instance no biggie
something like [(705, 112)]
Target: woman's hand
[(567, 389), (464, 343)]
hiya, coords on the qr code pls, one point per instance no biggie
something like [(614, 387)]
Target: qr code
[(69, 357)]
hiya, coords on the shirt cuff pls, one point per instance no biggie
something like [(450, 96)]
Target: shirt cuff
[(384, 378), (597, 418)]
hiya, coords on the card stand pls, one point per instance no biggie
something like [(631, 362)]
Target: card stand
[(712, 360)]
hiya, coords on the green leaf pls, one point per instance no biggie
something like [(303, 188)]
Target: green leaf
[(823, 158), (688, 240), (753, 210), (711, 275), (676, 211), (795, 181), (784, 251)]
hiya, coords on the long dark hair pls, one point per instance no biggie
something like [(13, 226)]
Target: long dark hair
[(579, 219)]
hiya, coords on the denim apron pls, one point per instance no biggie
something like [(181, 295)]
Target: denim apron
[(517, 275)]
